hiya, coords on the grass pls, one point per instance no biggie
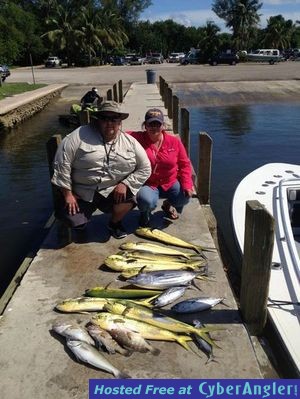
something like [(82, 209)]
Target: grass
[(9, 89)]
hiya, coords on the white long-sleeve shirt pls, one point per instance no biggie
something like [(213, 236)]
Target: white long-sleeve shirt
[(84, 163)]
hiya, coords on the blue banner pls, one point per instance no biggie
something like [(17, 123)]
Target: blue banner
[(194, 389)]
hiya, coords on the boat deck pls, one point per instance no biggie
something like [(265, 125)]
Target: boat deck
[(35, 363)]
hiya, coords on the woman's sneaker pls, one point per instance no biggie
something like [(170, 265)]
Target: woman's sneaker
[(117, 230)]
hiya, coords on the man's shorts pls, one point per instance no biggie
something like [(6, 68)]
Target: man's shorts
[(104, 204)]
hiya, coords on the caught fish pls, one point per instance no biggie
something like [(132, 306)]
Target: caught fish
[(108, 321), (203, 344), (104, 340), (166, 238), (72, 331), (163, 279), (168, 296), (88, 354), (157, 257), (196, 304), (86, 304), (104, 292), (154, 248), (132, 340), (120, 263), (141, 313)]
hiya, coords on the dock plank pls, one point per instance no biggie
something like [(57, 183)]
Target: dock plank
[(34, 363)]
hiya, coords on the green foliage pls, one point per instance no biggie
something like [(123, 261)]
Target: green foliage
[(279, 32), (9, 89)]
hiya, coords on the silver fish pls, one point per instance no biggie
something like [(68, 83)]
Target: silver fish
[(196, 304), (202, 344), (168, 296), (88, 354), (103, 339), (163, 279), (72, 331)]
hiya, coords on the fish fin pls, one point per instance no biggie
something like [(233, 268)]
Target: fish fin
[(195, 285), (211, 358), (147, 302), (225, 304), (107, 285)]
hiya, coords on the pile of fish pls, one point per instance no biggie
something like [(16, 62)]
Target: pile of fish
[(130, 316)]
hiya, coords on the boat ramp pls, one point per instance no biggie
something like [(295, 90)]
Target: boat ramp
[(35, 362)]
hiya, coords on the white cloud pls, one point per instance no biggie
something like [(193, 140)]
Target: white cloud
[(281, 2)]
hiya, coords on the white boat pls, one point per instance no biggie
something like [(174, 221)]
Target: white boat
[(265, 55), (277, 187)]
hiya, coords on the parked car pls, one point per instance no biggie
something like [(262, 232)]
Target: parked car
[(155, 58), (192, 57), (4, 72), (224, 58), (175, 57), (137, 60), (128, 58), (53, 62), (119, 61)]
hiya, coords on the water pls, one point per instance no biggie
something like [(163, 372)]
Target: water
[(25, 195), (244, 138)]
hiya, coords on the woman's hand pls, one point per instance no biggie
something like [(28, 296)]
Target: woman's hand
[(188, 193), (120, 193), (71, 201)]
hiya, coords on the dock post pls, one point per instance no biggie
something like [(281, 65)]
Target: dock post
[(256, 268), (185, 129), (84, 117), (170, 103), (161, 86), (120, 84), (165, 96), (204, 168), (115, 91), (64, 233), (175, 110), (109, 95)]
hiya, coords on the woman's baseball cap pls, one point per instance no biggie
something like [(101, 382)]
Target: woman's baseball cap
[(154, 115)]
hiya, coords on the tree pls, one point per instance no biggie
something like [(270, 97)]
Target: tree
[(210, 40), (278, 33), (241, 16)]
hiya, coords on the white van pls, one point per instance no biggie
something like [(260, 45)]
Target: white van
[(269, 55)]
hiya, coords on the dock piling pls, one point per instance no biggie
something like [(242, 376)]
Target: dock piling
[(109, 95), (256, 268), (115, 92), (185, 129), (120, 85), (175, 111), (204, 168)]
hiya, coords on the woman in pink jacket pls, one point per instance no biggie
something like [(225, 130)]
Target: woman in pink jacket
[(171, 176)]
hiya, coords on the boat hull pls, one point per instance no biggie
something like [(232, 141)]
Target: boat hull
[(269, 186)]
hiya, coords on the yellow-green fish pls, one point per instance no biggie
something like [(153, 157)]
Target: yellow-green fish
[(154, 248), (105, 292)]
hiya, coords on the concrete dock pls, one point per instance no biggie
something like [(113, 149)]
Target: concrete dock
[(35, 363)]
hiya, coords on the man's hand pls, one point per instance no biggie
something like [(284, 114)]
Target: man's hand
[(71, 202), (120, 193)]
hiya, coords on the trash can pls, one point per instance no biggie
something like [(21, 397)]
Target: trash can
[(151, 76)]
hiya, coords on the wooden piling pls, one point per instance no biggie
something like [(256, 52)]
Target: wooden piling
[(84, 117), (120, 84), (175, 116), (256, 268), (170, 103), (165, 94), (115, 92), (204, 168), (185, 129), (109, 95), (161, 85)]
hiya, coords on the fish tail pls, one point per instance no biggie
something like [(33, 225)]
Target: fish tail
[(182, 340), (121, 375), (155, 351)]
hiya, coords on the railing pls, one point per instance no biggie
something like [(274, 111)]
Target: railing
[(287, 228)]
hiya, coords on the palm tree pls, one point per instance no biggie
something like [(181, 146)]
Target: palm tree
[(64, 32), (209, 42), (279, 32), (241, 16)]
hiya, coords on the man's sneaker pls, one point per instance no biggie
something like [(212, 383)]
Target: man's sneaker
[(117, 230), (144, 220)]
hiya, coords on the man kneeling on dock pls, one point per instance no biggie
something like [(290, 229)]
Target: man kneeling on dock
[(99, 167)]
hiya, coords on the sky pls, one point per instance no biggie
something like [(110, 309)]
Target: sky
[(198, 12)]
